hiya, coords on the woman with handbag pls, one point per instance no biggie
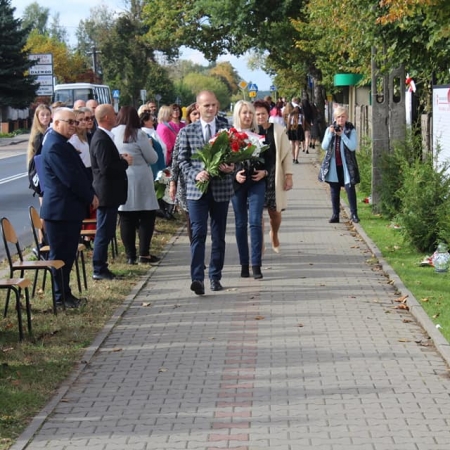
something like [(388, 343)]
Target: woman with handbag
[(340, 167)]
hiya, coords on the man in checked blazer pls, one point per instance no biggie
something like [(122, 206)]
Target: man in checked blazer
[(213, 203)]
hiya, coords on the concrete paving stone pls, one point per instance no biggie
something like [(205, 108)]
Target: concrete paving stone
[(359, 447), (125, 446), (75, 445), (406, 446)]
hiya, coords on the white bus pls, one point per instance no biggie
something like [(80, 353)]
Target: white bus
[(68, 93)]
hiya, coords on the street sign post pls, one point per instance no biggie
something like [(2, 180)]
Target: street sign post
[(43, 70), (158, 97), (252, 90)]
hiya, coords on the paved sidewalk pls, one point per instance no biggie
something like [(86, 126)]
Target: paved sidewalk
[(6, 142), (13, 146), (312, 357)]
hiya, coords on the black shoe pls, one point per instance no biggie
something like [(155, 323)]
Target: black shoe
[(355, 218), (72, 302), (131, 261), (149, 259), (198, 287), (105, 275), (216, 286), (334, 219), (307, 152), (257, 275), (245, 272)]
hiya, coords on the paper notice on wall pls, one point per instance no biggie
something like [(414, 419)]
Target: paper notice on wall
[(441, 122)]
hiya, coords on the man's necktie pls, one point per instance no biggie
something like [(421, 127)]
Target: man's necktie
[(208, 133)]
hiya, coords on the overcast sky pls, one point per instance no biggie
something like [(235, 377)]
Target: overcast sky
[(71, 12)]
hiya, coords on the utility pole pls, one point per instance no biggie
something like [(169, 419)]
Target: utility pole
[(94, 52)]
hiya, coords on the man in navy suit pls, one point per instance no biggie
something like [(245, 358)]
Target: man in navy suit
[(109, 169), (213, 203), (67, 196)]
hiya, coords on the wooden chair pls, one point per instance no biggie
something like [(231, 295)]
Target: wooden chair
[(42, 252), (88, 231), (10, 240), (17, 285)]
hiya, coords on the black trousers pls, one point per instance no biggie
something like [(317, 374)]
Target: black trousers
[(63, 238), (142, 222), (335, 189)]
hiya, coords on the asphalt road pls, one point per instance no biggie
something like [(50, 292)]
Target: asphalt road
[(15, 196)]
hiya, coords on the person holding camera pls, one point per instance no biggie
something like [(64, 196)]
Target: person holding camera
[(339, 167), (248, 199)]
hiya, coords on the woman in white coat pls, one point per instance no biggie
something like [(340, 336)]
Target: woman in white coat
[(279, 167), (139, 211)]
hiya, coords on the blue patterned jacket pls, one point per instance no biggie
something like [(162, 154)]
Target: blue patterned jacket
[(191, 139)]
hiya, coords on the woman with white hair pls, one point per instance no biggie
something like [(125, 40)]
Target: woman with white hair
[(340, 167)]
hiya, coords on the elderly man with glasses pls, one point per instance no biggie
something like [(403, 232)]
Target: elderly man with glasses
[(67, 195)]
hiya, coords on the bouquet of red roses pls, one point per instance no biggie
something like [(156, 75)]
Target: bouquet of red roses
[(227, 147)]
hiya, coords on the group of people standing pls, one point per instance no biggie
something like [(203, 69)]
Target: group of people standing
[(109, 173)]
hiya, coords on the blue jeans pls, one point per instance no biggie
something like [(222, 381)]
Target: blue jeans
[(198, 216), (248, 205), (106, 229)]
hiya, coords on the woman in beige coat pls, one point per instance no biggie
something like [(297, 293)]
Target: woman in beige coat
[(279, 166)]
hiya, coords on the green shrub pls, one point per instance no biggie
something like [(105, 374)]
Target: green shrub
[(404, 154), (425, 203), (364, 157)]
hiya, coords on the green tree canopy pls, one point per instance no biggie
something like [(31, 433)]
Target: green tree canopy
[(197, 82), (35, 17), (17, 89)]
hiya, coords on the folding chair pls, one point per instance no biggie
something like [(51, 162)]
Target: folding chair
[(16, 285), (42, 251), (10, 240)]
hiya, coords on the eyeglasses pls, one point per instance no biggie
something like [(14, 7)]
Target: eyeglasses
[(81, 120), (71, 122), (89, 119)]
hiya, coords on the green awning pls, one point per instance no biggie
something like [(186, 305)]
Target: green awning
[(347, 79)]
